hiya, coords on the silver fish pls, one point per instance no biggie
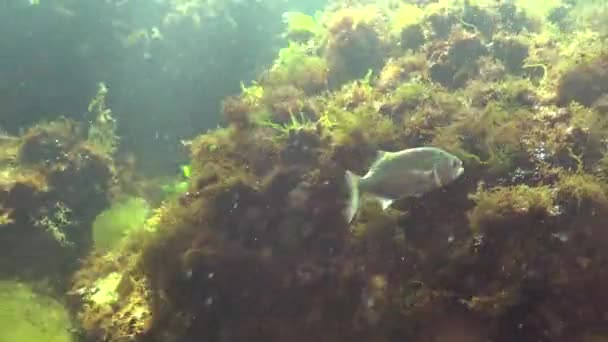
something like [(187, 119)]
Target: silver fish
[(406, 173)]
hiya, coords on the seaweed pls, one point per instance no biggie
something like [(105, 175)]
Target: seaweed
[(255, 247), (300, 26), (297, 67), (500, 206), (355, 43)]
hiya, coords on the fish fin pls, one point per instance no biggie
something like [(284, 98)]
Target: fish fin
[(380, 155), (436, 178), (352, 180), (384, 202)]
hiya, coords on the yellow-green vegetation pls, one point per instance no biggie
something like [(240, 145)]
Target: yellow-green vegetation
[(493, 136), (404, 16), (298, 67), (298, 23), (5, 216), (540, 8), (54, 222), (485, 81), (113, 292), (568, 54), (106, 289), (585, 190), (178, 185), (352, 119), (102, 132), (501, 205), (26, 315), (123, 217), (410, 95), (594, 126)]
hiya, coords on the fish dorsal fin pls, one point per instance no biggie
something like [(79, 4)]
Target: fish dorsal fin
[(380, 155), (384, 202)]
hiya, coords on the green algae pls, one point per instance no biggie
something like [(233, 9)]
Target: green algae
[(245, 193), (29, 316), (504, 204), (113, 224), (298, 22), (106, 289)]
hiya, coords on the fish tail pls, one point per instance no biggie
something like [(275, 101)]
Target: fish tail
[(352, 180)]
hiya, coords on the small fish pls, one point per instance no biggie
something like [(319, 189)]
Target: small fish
[(406, 173)]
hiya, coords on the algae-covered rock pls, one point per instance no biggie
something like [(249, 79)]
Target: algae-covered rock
[(27, 315), (584, 83), (50, 193), (257, 247), (110, 297)]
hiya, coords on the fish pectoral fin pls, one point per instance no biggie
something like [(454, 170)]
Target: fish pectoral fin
[(385, 202), (436, 178)]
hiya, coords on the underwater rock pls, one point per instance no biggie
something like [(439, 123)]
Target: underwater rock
[(512, 52), (455, 63), (442, 74), (257, 248), (585, 83), (354, 44), (398, 71), (515, 20), (236, 111), (49, 143), (476, 18), (52, 194), (412, 37), (301, 147), (441, 25), (110, 296)]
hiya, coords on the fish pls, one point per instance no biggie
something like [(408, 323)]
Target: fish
[(407, 173)]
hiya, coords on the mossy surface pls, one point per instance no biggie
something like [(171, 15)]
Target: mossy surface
[(257, 247), (121, 218), (26, 315), (52, 185)]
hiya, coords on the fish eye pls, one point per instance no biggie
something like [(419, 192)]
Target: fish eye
[(454, 163)]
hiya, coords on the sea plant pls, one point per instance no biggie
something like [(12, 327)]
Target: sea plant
[(102, 130)]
